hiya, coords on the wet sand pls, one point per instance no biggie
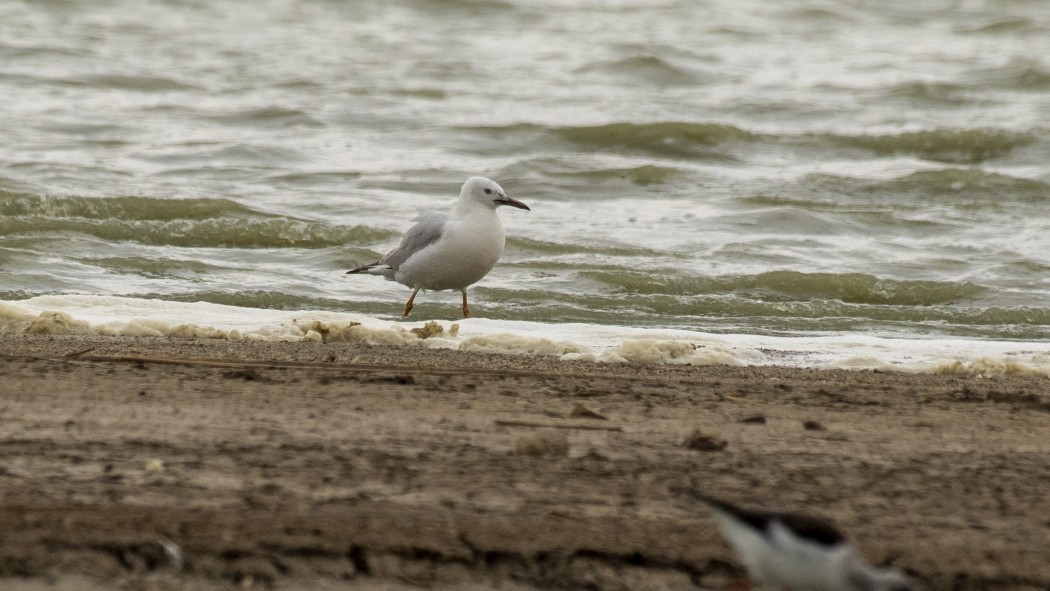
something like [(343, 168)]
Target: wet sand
[(167, 464)]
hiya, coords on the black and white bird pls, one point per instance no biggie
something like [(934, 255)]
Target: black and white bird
[(797, 552), (449, 252)]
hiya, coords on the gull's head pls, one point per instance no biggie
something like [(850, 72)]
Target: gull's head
[(487, 192)]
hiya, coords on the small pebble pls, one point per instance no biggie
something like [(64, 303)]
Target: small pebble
[(704, 442)]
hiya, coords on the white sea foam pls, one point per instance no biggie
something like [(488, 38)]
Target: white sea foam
[(108, 315)]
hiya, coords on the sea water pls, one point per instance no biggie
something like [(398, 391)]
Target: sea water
[(859, 184)]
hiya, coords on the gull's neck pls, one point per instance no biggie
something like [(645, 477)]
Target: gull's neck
[(470, 207)]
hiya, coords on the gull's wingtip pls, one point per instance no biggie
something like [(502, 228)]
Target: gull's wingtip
[(712, 503), (374, 268)]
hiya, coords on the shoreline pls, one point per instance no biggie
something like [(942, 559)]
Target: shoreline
[(87, 315), (333, 465)]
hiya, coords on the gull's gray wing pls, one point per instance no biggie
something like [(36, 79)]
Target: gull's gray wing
[(427, 231)]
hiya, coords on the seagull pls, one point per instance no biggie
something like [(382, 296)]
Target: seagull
[(796, 552), (449, 252)]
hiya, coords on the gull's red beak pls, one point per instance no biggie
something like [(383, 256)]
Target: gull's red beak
[(513, 203)]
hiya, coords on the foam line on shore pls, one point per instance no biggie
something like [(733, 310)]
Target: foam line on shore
[(135, 317)]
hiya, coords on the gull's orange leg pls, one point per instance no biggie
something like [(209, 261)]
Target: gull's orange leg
[(408, 306), (466, 309)]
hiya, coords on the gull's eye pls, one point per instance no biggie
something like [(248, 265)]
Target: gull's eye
[(488, 191)]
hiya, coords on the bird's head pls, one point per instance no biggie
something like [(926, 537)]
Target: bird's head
[(487, 192)]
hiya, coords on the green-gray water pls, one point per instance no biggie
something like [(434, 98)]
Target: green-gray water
[(755, 167)]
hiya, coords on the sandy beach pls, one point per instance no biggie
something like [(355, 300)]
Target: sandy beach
[(170, 464)]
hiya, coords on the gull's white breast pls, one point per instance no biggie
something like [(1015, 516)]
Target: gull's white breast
[(469, 247)]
